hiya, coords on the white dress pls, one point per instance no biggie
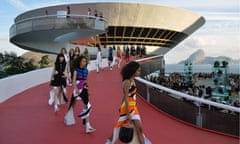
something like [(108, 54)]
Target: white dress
[(99, 58)]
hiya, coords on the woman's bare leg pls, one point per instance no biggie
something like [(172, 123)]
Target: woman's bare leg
[(56, 99), (139, 131), (89, 128)]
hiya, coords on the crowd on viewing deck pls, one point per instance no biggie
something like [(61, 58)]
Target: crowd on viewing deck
[(176, 81), (97, 14)]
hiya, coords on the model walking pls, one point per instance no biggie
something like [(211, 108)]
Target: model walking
[(58, 79), (128, 109), (119, 57), (80, 85), (99, 59)]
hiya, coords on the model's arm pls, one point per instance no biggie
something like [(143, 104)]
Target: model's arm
[(67, 71), (87, 82), (74, 79), (53, 71)]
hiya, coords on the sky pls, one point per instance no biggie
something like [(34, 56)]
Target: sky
[(220, 36)]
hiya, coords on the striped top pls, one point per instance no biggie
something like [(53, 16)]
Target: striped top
[(132, 90), (82, 74)]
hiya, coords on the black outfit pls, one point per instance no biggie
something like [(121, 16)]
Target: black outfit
[(59, 78), (71, 65), (110, 55)]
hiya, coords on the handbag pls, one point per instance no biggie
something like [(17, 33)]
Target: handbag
[(69, 117), (126, 133)]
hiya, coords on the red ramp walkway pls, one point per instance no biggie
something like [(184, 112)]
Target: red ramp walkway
[(27, 118)]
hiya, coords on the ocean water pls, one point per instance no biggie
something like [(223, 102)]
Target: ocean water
[(206, 68)]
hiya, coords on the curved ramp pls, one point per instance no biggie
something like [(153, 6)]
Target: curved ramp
[(27, 118)]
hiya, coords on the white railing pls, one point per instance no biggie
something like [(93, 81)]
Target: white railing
[(183, 95), (50, 22), (12, 85), (59, 15), (188, 97), (149, 58)]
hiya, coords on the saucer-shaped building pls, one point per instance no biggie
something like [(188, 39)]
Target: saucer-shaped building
[(50, 28)]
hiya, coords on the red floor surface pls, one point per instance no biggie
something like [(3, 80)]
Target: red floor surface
[(27, 119)]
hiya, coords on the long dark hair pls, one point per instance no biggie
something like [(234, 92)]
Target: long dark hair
[(58, 63), (58, 57), (77, 61), (129, 70)]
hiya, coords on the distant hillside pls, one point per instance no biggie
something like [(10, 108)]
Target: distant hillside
[(36, 57), (199, 57)]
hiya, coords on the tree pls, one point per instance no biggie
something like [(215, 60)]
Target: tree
[(29, 65), (44, 62), (1, 57), (12, 64), (7, 58)]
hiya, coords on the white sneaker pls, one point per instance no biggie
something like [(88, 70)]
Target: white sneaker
[(89, 106), (108, 141), (90, 130)]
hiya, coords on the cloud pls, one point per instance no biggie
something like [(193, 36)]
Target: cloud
[(230, 16), (220, 23), (213, 45), (18, 4), (200, 41), (8, 47)]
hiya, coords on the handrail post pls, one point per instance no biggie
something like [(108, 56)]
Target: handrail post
[(199, 117), (148, 93)]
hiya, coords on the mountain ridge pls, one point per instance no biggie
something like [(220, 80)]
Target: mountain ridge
[(198, 57)]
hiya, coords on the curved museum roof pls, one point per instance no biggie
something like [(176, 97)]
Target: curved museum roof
[(132, 23)]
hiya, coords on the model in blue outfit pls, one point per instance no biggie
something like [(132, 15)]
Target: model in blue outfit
[(80, 84)]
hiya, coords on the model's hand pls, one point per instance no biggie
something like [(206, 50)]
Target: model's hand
[(76, 92), (129, 117)]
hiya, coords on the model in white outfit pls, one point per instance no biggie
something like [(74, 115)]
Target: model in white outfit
[(114, 52), (119, 57), (99, 59)]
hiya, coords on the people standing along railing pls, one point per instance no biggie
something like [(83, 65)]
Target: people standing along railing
[(184, 95), (55, 21), (189, 97), (199, 89), (203, 113)]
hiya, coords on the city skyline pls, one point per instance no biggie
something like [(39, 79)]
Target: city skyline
[(218, 37)]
